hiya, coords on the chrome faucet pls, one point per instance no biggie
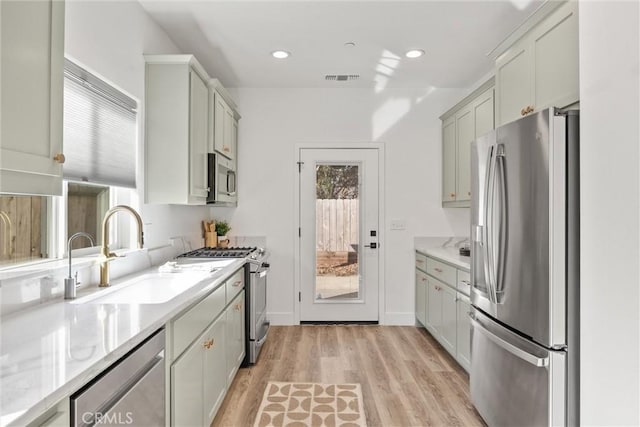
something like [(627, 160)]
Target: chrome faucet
[(104, 266), (71, 282)]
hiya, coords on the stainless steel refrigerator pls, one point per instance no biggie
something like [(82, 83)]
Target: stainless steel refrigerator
[(524, 272)]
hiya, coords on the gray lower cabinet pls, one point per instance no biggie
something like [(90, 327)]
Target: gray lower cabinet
[(202, 370), (442, 305), (187, 399), (463, 332), (421, 297), (214, 376), (235, 336), (441, 314), (198, 378)]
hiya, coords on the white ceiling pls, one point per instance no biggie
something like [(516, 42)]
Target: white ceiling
[(233, 39)]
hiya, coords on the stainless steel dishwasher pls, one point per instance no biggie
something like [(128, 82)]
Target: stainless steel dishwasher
[(129, 392)]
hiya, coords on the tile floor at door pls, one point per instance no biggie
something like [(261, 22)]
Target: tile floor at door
[(407, 378)]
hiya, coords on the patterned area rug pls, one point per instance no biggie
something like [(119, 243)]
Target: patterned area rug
[(311, 404)]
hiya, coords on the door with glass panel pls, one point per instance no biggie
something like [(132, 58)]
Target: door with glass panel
[(339, 234)]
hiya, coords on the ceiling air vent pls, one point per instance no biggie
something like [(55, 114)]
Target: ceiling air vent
[(342, 77)]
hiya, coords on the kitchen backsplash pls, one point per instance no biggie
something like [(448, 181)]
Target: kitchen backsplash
[(40, 283), (441, 242)]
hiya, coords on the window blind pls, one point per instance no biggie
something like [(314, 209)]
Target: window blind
[(99, 130)]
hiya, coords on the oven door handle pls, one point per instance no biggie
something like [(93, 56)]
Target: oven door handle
[(264, 337)]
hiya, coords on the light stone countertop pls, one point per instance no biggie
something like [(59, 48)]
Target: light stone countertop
[(445, 249), (49, 351)]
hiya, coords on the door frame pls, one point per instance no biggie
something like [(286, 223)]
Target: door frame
[(381, 219)]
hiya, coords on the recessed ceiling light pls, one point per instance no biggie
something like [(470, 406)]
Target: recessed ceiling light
[(280, 54), (414, 53)]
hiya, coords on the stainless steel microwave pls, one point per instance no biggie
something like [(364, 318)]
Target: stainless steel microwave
[(221, 180)]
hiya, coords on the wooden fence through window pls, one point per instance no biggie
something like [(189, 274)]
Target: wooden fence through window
[(337, 225)]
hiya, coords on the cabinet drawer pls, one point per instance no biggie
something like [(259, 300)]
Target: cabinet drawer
[(234, 285), (442, 271), (191, 324), (421, 261), (464, 282)]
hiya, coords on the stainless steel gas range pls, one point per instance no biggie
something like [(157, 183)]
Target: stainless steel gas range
[(256, 269)]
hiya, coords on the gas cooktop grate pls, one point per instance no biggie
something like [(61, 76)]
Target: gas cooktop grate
[(206, 252)]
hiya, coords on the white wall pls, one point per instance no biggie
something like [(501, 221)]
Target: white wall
[(610, 260), (109, 39), (406, 121)]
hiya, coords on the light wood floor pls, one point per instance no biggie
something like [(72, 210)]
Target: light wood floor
[(407, 378)]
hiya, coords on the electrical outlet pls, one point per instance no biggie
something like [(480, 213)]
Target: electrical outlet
[(398, 224)]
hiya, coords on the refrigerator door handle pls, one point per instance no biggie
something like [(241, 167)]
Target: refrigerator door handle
[(486, 249), (540, 362), (502, 223)]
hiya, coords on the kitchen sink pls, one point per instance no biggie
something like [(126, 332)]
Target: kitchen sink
[(152, 288)]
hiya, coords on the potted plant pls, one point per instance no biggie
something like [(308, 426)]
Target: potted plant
[(222, 228)]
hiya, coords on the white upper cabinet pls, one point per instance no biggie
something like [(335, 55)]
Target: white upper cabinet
[(555, 59), (31, 83), (540, 70), (483, 113), (461, 125), (465, 134), (224, 128), (449, 160), (176, 130), (513, 90), (198, 109)]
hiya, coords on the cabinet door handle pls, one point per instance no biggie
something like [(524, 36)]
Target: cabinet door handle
[(439, 270), (237, 283), (452, 195), (419, 261), (238, 307), (528, 109)]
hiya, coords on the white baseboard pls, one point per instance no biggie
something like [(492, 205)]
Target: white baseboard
[(281, 318), (392, 319), (400, 319)]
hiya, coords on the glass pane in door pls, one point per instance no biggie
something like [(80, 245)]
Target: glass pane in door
[(337, 233)]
